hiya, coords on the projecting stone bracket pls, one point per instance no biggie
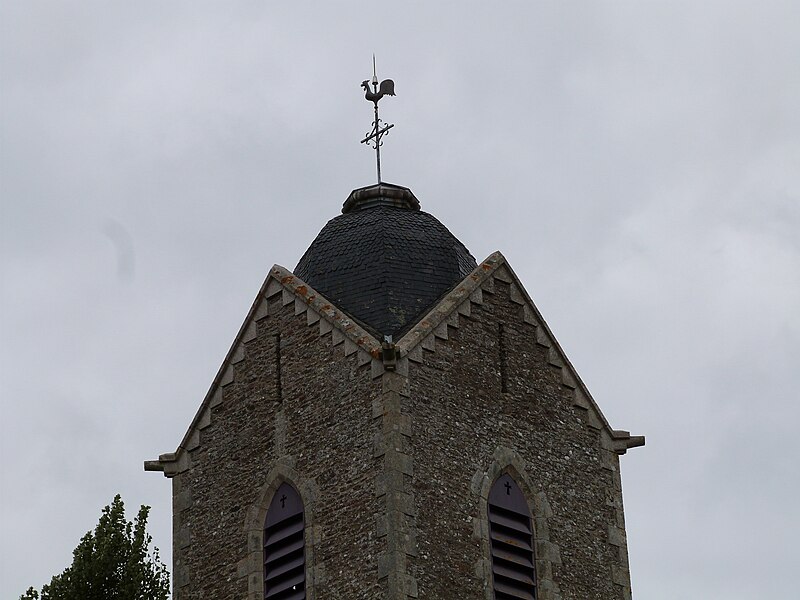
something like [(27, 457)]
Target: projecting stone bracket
[(622, 441), (170, 463)]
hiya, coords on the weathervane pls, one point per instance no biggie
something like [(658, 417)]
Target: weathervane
[(374, 136)]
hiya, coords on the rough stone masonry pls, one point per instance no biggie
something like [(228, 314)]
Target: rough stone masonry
[(393, 446)]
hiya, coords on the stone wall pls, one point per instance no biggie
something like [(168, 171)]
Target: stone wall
[(466, 431), (318, 435), (394, 457)]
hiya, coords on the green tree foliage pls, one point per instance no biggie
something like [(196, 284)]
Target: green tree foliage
[(112, 563)]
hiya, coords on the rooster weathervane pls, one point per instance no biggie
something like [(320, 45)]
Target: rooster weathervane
[(374, 136)]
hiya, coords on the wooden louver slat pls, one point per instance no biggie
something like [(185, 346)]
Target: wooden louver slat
[(284, 547), (511, 538)]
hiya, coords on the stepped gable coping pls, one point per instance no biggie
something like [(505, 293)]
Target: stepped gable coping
[(446, 312), (295, 290)]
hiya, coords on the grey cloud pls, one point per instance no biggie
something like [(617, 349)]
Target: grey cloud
[(635, 162)]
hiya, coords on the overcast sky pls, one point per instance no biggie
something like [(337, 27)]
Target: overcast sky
[(638, 163)]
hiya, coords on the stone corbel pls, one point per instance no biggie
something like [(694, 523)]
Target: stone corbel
[(622, 441), (168, 463)]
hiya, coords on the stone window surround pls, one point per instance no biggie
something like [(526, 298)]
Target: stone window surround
[(252, 566), (546, 554)]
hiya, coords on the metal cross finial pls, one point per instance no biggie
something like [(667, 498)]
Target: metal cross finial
[(374, 136)]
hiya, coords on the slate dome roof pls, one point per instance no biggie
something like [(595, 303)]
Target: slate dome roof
[(384, 261)]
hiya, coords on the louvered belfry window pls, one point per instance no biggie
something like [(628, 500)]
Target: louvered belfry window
[(284, 547), (511, 535)]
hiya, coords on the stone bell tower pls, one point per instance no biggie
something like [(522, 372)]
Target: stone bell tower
[(393, 421)]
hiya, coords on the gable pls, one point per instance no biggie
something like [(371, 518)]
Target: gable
[(333, 325), (362, 346), (433, 328)]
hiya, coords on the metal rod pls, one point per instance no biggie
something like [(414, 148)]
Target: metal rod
[(377, 141)]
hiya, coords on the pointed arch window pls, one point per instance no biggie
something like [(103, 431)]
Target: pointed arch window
[(511, 539), (284, 546)]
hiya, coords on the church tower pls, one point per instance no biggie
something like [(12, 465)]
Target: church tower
[(395, 421)]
